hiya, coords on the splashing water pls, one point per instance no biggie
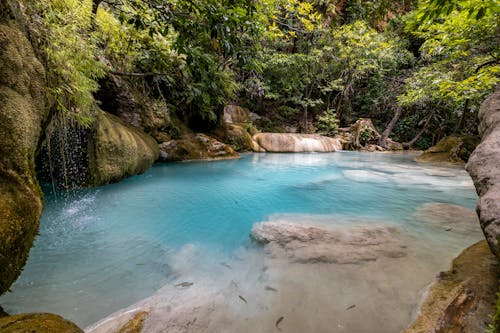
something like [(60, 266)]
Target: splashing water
[(101, 250)]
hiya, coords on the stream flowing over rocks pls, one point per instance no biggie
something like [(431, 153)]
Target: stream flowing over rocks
[(295, 143)]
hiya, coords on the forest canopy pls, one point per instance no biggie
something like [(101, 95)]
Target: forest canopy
[(417, 68)]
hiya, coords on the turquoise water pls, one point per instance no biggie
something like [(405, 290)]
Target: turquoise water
[(103, 249)]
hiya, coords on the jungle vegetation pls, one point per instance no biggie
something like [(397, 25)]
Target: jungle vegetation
[(418, 69)]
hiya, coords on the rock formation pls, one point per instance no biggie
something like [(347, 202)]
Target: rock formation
[(461, 299), (484, 168), (118, 151), (294, 143), (195, 147), (452, 149), (23, 111)]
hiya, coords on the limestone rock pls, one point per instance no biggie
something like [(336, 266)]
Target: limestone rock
[(234, 114), (23, 110), (295, 143), (118, 150), (452, 149), (461, 299), (484, 168), (195, 147), (309, 243), (37, 323)]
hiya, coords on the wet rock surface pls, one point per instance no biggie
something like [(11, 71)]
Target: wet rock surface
[(461, 299), (305, 243), (295, 143)]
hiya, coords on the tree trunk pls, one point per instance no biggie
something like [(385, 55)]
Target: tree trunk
[(388, 130), (461, 123), (422, 131)]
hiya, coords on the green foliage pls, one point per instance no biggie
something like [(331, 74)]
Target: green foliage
[(328, 123), (72, 55), (459, 58), (365, 135)]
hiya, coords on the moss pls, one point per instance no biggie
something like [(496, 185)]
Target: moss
[(37, 323)]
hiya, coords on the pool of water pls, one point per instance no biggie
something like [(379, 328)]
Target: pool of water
[(100, 250)]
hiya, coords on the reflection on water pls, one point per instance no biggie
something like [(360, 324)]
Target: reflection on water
[(104, 249)]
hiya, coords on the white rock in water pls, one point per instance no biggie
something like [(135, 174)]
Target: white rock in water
[(295, 143), (310, 243)]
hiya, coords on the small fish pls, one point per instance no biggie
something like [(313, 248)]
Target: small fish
[(184, 284), (448, 229), (280, 319), (271, 288), (242, 298), (226, 265), (351, 307)]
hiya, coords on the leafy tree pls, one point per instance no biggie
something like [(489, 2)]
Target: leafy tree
[(458, 65)]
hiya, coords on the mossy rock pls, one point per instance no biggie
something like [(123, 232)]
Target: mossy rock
[(451, 149), (22, 113), (239, 138), (462, 299), (37, 323), (118, 150), (195, 147)]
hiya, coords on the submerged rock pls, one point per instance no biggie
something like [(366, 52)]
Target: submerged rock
[(484, 168), (448, 217), (195, 147), (37, 323), (295, 143), (118, 150), (310, 243), (23, 110), (462, 299)]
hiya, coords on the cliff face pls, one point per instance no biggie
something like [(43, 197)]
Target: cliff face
[(484, 168), (22, 113)]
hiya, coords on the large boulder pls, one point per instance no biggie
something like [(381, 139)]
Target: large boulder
[(118, 150), (294, 143), (23, 110), (484, 168)]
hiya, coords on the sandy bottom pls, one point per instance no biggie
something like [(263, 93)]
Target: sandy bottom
[(262, 290)]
